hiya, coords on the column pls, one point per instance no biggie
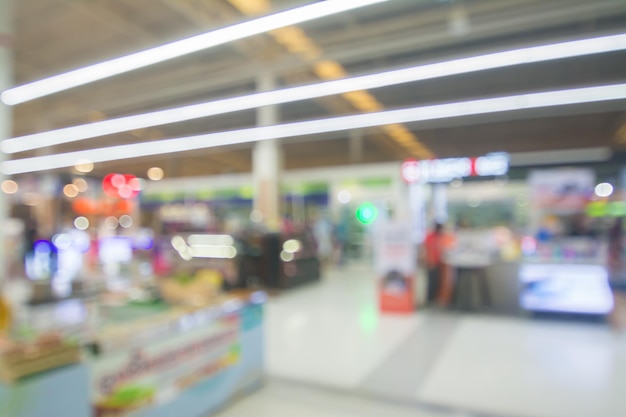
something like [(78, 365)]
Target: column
[(356, 146), (440, 202), (417, 201), (6, 81), (267, 161)]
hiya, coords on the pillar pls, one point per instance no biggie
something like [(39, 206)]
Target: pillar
[(417, 202), (267, 163), (440, 202), (356, 146), (6, 81)]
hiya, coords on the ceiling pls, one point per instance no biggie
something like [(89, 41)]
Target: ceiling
[(53, 36)]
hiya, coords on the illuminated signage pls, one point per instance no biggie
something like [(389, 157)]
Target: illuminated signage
[(123, 186), (444, 170)]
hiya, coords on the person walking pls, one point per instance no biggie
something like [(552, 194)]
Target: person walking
[(435, 245)]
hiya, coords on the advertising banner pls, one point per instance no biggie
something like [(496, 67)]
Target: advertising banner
[(127, 381), (561, 189), (395, 264)]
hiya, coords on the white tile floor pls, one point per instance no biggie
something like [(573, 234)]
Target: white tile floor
[(280, 399), (332, 334), (531, 368)]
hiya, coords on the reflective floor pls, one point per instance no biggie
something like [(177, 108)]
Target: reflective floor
[(331, 335), (283, 399)]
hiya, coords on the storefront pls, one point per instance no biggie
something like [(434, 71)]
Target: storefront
[(542, 229)]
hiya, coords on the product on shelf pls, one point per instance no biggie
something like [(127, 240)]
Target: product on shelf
[(48, 351)]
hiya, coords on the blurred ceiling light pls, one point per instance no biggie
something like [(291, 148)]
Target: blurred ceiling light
[(155, 173), (604, 189), (332, 124), (178, 242), (70, 190), (252, 7), (210, 240), (219, 252), (287, 95), (178, 48), (80, 184), (83, 165), (9, 187), (329, 70), (81, 223)]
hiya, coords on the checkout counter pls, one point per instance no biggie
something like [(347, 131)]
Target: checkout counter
[(563, 276)]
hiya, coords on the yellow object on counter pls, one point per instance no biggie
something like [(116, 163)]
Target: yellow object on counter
[(5, 316), (210, 276), (200, 290)]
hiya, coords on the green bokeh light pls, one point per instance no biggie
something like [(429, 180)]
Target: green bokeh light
[(366, 213)]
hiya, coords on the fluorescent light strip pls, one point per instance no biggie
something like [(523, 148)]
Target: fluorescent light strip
[(177, 49), (418, 73), (334, 124)]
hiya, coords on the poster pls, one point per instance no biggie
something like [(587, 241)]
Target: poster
[(395, 264), (562, 188)]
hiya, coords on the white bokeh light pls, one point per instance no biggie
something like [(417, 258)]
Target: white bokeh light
[(344, 196), (604, 189), (81, 223)]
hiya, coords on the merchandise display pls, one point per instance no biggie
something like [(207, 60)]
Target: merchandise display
[(144, 356), (567, 276), (162, 361)]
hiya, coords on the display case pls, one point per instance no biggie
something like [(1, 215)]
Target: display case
[(145, 359), (286, 261), (567, 275)]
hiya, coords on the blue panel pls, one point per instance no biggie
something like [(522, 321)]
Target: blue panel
[(59, 393), (212, 394)]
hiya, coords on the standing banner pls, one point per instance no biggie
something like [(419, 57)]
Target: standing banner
[(395, 264)]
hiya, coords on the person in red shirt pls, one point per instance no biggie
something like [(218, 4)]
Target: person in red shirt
[(435, 245)]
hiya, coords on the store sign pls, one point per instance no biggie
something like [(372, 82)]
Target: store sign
[(444, 170)]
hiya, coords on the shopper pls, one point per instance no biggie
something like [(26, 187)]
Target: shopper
[(323, 232), (435, 245), (617, 275)]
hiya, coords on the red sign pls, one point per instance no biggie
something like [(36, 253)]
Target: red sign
[(124, 186), (444, 170)]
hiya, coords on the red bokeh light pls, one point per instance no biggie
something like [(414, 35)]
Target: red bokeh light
[(120, 186)]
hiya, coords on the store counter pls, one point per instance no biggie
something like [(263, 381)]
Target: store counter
[(152, 361), (60, 392), (566, 276), (178, 362)]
